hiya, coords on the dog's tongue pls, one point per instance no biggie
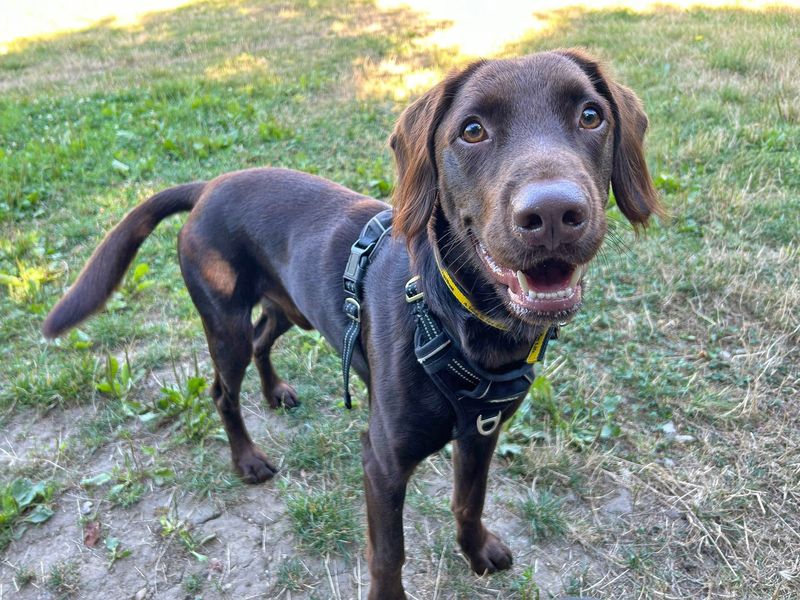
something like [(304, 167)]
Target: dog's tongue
[(549, 276), (550, 289), (550, 286)]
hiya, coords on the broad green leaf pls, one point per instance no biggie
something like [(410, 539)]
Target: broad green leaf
[(140, 271), (120, 167), (25, 492), (40, 514)]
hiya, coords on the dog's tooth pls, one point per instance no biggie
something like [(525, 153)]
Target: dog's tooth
[(576, 275), (556, 295), (523, 282)]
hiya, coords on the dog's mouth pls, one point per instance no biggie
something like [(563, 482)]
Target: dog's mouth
[(550, 289)]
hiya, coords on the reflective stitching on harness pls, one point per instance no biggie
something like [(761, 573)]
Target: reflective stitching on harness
[(459, 368), (348, 336), (456, 372), (486, 392), (428, 325), (509, 399)]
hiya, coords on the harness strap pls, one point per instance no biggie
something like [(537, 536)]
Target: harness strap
[(362, 249), (480, 400)]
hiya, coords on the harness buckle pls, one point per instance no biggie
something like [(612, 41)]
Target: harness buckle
[(355, 269), (352, 309), (412, 291)]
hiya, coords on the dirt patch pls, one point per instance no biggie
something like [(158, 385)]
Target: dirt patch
[(237, 545), (29, 437)]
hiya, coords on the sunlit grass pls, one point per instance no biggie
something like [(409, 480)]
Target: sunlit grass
[(478, 28), (38, 18)]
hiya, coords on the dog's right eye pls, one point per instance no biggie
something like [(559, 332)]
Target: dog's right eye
[(590, 118), (473, 132)]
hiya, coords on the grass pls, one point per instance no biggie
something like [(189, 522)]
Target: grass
[(323, 521), (173, 528), (137, 474), (63, 580), (677, 384), (545, 516), (23, 576), (292, 575), (193, 584)]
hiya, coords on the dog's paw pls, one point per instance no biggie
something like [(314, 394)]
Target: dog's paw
[(253, 466), (282, 394), (493, 556)]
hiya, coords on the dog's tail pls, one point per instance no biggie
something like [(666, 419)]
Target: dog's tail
[(107, 266)]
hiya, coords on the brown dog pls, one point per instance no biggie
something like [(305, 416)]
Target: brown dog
[(503, 177)]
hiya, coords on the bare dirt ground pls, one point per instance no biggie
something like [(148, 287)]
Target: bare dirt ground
[(249, 537)]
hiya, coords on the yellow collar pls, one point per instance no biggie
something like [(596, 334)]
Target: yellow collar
[(465, 302), (535, 355)]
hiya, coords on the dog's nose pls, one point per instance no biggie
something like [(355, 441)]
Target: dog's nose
[(550, 213)]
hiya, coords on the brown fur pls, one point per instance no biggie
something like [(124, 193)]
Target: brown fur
[(281, 239), (633, 188)]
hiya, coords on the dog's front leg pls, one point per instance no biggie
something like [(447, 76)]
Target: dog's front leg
[(471, 458), (385, 480)]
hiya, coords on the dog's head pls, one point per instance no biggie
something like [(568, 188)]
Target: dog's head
[(516, 158)]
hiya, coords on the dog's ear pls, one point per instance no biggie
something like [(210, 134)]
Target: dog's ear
[(630, 179), (413, 142)]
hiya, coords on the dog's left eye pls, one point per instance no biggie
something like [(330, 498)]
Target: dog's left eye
[(590, 118), (473, 132)]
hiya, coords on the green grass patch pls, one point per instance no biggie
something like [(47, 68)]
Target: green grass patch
[(63, 580), (292, 575), (125, 484), (323, 521), (544, 513), (207, 473)]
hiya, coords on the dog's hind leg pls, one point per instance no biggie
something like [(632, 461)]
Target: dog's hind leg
[(272, 323), (230, 344), (225, 310)]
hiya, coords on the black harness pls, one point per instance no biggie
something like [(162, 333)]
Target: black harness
[(371, 236), (480, 399)]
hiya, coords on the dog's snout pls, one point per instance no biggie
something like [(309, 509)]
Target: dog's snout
[(550, 213)]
